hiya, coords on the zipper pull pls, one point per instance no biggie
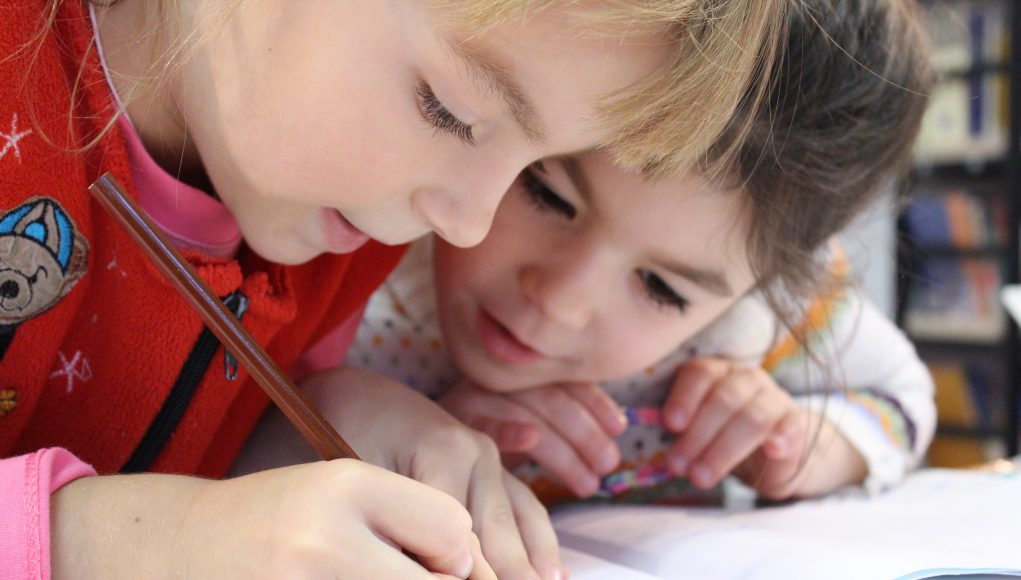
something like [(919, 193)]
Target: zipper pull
[(237, 303)]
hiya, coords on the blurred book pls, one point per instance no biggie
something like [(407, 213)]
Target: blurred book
[(956, 299), (956, 217), (967, 117), (968, 421)]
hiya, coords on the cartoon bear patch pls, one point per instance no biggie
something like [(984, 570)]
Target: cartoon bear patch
[(42, 256)]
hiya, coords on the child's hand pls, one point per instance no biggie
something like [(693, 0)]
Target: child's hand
[(335, 519), (568, 429), (728, 416), (738, 419), (391, 425)]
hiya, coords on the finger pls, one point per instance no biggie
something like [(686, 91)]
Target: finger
[(726, 397), (562, 461), (416, 518), (738, 439), (496, 522), (514, 437), (789, 438), (777, 477), (536, 529), (693, 382), (481, 569), (601, 405), (572, 422), (510, 435), (510, 424), (379, 559), (782, 474), (453, 451)]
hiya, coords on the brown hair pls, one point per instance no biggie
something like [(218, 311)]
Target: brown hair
[(847, 97)]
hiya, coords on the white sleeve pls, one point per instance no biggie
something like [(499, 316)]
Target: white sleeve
[(866, 378)]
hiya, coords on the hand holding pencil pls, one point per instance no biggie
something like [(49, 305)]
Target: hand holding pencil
[(324, 519)]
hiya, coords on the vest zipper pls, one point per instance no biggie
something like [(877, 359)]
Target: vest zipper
[(188, 380)]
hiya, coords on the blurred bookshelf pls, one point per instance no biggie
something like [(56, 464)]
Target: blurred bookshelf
[(958, 230)]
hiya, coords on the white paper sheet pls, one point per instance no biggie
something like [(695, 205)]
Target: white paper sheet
[(936, 520)]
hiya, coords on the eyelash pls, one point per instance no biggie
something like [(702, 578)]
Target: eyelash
[(543, 198), (661, 293), (439, 117)]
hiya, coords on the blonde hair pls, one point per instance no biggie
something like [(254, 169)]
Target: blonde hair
[(723, 52), (720, 63)]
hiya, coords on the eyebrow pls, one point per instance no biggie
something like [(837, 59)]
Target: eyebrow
[(497, 78), (710, 280)]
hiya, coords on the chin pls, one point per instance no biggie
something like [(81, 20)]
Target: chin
[(496, 379), (289, 254)]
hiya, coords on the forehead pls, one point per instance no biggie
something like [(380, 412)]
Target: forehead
[(567, 68), (683, 218)]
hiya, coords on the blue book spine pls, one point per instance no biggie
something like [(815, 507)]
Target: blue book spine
[(928, 222), (976, 27)]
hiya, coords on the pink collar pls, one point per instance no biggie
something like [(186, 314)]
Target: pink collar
[(192, 219)]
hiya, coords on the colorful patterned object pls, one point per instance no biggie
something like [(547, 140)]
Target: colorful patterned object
[(650, 416), (628, 479), (644, 476)]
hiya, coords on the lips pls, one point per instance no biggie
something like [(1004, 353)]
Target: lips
[(340, 235), (501, 344)]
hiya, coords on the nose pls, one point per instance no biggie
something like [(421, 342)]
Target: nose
[(563, 292), (461, 212), (9, 289), (461, 222)]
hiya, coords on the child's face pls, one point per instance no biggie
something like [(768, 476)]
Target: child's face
[(325, 120), (576, 285)]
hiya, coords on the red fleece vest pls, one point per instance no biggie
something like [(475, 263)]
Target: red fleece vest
[(95, 337)]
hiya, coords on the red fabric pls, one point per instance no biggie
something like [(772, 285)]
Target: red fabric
[(90, 373)]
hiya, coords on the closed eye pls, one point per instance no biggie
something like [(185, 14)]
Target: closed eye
[(543, 198), (439, 117), (661, 294), (35, 277)]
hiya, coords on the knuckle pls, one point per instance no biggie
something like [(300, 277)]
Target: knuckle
[(297, 552), (759, 417), (485, 445), (502, 515), (728, 394), (347, 474), (456, 438)]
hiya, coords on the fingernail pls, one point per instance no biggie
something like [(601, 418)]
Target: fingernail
[(621, 421), (607, 460), (678, 464), (464, 565), (519, 434), (700, 475), (678, 419), (778, 444), (557, 573), (588, 486)]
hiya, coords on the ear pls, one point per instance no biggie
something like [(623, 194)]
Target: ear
[(78, 263)]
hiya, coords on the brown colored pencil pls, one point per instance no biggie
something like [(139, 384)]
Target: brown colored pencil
[(221, 321)]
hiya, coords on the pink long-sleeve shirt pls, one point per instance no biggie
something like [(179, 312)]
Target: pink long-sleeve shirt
[(28, 481)]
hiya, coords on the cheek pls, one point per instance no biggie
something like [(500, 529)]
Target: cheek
[(638, 341), (330, 139)]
